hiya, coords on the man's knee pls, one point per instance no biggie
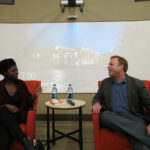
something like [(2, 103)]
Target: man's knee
[(108, 119), (105, 116)]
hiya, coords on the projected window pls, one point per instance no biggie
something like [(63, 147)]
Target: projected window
[(75, 53)]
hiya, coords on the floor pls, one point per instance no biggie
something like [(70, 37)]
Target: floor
[(68, 126)]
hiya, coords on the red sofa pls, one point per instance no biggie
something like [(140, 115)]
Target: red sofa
[(108, 140), (29, 127)]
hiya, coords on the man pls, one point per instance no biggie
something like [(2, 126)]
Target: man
[(121, 101)]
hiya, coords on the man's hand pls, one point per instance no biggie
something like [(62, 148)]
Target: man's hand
[(12, 108), (38, 91), (96, 108), (148, 130)]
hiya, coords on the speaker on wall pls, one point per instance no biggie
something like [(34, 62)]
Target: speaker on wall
[(72, 2), (8, 2)]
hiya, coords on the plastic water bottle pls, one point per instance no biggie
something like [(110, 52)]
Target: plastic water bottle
[(54, 92), (70, 92)]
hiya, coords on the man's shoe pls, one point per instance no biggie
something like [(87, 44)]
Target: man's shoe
[(27, 144)]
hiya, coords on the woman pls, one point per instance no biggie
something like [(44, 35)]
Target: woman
[(15, 100)]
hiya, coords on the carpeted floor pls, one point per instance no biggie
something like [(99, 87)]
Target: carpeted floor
[(66, 143)]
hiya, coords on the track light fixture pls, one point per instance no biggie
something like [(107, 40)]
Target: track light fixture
[(71, 3)]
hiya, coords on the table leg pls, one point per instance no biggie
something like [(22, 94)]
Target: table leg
[(80, 128), (53, 126), (48, 131)]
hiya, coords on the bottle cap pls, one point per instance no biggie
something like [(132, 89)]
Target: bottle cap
[(54, 84), (69, 84)]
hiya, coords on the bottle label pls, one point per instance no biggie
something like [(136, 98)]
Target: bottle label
[(70, 96), (54, 95)]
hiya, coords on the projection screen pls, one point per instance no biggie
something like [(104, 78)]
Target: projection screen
[(76, 53)]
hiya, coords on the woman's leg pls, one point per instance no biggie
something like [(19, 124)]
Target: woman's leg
[(5, 139), (10, 123)]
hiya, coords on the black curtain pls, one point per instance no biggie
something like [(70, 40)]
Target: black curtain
[(8, 2)]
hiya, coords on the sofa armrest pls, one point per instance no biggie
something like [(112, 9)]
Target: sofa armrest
[(96, 126)]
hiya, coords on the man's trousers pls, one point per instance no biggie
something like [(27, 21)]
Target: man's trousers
[(132, 126)]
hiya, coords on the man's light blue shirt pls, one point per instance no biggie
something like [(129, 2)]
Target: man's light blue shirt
[(119, 96)]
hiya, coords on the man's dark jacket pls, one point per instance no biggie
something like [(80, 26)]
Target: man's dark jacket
[(137, 94), (26, 97)]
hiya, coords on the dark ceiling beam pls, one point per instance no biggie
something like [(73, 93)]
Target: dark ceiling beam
[(141, 0)]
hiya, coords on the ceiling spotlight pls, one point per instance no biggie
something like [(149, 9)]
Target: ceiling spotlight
[(71, 3)]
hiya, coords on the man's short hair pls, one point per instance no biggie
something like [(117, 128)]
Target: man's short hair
[(122, 61)]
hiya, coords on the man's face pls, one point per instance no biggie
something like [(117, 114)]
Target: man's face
[(12, 72), (114, 68)]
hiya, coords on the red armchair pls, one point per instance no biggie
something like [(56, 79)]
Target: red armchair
[(108, 140), (29, 127)]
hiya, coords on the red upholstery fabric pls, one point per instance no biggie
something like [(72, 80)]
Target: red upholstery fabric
[(29, 127), (147, 84), (108, 140)]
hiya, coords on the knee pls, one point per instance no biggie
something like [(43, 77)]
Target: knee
[(106, 117), (3, 111)]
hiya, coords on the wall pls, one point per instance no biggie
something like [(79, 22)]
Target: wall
[(94, 10), (42, 11), (87, 97)]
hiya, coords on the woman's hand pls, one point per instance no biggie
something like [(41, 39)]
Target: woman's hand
[(38, 91), (12, 108)]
